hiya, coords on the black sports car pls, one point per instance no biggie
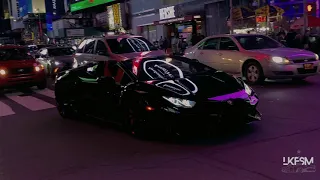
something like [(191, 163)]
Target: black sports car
[(148, 93)]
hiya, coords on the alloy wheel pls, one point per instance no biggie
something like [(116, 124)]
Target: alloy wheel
[(253, 73)]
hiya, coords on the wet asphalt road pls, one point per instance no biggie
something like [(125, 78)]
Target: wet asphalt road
[(39, 145)]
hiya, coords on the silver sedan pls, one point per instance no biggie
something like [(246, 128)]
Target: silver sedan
[(255, 57)]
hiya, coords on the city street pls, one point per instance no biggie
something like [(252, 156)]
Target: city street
[(37, 144)]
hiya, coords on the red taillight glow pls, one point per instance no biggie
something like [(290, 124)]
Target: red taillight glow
[(149, 108)]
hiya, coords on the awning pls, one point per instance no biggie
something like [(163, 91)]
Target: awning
[(173, 20), (240, 13), (312, 22)]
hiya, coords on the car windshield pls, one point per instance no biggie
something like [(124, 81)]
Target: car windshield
[(166, 68), (61, 51), (14, 54), (251, 42), (130, 45)]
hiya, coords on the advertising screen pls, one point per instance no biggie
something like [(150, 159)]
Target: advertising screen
[(25, 6), (87, 4)]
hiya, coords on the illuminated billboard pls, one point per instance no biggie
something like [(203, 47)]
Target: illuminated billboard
[(83, 4)]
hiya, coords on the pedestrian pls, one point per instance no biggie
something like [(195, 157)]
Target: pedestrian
[(291, 35), (305, 40), (174, 44), (179, 45), (297, 42), (165, 44), (161, 42)]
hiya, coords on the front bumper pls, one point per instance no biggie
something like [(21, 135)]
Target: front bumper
[(22, 80), (294, 70), (202, 117)]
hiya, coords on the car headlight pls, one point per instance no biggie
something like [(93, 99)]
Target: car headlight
[(56, 63), (247, 89), (316, 56), (180, 102), (280, 60), (75, 63)]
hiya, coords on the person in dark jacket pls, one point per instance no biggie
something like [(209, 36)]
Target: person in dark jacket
[(290, 38)]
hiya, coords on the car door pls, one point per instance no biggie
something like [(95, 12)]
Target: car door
[(95, 100), (230, 56), (101, 51), (208, 53)]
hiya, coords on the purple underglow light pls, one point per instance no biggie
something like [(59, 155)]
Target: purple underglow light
[(237, 95)]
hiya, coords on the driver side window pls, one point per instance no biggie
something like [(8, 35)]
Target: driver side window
[(211, 44)]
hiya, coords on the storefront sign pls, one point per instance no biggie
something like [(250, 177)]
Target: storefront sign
[(54, 4), (83, 4), (167, 13), (186, 18), (75, 32), (114, 16)]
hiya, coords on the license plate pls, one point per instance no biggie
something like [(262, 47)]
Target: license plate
[(308, 66)]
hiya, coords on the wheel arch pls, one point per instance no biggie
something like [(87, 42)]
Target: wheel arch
[(247, 62)]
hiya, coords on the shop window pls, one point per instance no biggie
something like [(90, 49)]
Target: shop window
[(227, 44), (211, 44)]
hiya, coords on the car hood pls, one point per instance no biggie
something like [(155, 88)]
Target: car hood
[(141, 54), (201, 86), (17, 64), (290, 53)]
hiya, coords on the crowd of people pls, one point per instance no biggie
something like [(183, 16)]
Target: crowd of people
[(294, 39), (178, 44)]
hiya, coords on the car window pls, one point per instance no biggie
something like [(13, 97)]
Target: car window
[(89, 47), (60, 52), (251, 42), (125, 78), (227, 44), (211, 44), (81, 46), (14, 54), (101, 47), (130, 45)]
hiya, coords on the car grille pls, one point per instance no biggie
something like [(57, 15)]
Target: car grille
[(18, 71), (303, 60), (307, 71)]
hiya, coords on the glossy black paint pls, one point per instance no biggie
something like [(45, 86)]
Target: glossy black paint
[(92, 93)]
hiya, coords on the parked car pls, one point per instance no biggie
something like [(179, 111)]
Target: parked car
[(255, 57), (116, 47), (17, 67), (148, 93), (56, 59)]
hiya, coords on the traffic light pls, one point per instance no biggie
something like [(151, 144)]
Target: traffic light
[(311, 9)]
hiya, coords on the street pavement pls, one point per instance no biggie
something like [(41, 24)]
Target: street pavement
[(36, 144)]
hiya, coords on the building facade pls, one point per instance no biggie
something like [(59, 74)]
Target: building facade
[(153, 19)]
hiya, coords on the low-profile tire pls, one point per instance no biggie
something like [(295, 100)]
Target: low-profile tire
[(253, 73), (65, 110), (42, 85)]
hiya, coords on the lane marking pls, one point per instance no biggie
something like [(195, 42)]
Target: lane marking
[(5, 110), (46, 92), (30, 102)]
